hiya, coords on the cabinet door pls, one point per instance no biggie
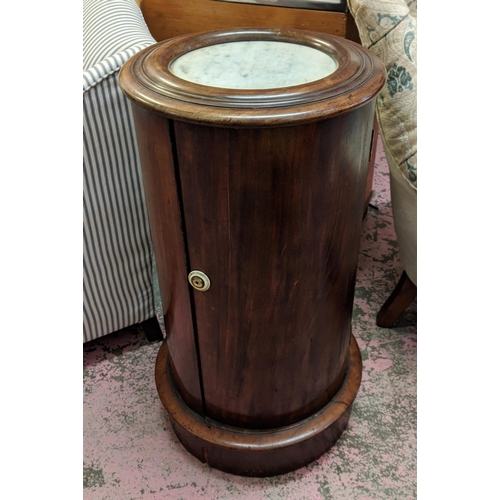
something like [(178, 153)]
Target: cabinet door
[(273, 218)]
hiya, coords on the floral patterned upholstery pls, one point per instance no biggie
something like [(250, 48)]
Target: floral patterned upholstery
[(389, 29)]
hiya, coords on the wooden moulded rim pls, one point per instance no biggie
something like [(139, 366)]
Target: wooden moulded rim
[(147, 80)]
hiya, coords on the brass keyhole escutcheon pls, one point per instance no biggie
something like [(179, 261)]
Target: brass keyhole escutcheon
[(199, 280)]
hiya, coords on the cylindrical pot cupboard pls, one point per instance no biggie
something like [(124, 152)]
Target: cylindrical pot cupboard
[(254, 147)]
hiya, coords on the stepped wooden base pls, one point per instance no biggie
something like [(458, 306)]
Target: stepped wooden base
[(251, 452)]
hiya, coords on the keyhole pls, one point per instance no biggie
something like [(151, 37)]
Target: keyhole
[(198, 282)]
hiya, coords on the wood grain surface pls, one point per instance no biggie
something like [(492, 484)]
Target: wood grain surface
[(273, 217), (164, 211), (169, 18)]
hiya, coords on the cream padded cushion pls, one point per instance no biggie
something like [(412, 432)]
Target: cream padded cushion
[(404, 210), (388, 29)]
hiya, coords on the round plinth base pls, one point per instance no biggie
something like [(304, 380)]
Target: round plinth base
[(255, 452)]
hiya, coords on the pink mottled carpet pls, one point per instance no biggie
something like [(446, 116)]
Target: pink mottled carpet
[(131, 453)]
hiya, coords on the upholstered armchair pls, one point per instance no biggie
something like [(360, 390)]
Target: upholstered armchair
[(389, 29), (117, 254)]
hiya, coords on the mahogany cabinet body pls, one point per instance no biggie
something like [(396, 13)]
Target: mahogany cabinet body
[(273, 217), (258, 373)]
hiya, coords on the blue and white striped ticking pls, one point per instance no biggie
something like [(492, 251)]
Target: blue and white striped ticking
[(111, 27), (117, 261)]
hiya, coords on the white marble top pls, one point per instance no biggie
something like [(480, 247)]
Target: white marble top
[(253, 65)]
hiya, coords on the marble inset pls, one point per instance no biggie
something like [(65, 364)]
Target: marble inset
[(254, 65)]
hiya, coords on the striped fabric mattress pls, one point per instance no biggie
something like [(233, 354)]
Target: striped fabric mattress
[(117, 254)]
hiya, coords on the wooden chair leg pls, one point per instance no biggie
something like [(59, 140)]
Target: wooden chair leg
[(397, 303), (152, 330)]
